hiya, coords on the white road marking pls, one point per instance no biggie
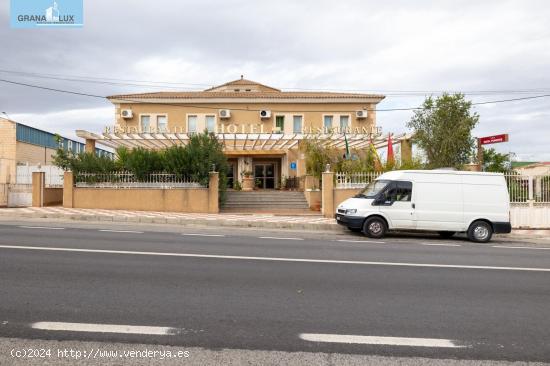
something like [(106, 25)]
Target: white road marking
[(278, 238), (275, 259), (361, 241), (390, 341), (103, 328), (122, 231), (510, 247), (203, 234), (442, 244), (42, 227)]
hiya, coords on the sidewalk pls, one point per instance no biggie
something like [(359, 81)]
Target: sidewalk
[(268, 221), (310, 222)]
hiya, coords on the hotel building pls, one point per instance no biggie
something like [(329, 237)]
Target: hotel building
[(261, 127)]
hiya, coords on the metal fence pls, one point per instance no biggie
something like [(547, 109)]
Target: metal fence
[(355, 180), (524, 188), (125, 180), (53, 175)]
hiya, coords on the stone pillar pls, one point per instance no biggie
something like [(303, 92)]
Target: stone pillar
[(213, 192), (406, 150), (327, 194), (38, 185), (68, 189), (90, 146)]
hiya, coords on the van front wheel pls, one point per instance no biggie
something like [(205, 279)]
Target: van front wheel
[(375, 227), (480, 232)]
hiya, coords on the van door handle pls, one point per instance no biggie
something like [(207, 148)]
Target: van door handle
[(413, 205)]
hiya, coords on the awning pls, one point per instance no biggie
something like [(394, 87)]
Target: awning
[(239, 141)]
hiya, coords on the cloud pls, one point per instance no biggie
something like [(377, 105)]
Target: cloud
[(362, 45)]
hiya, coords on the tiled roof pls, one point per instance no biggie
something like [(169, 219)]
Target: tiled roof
[(244, 94), (257, 91)]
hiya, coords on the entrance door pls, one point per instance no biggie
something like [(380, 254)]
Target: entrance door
[(264, 175)]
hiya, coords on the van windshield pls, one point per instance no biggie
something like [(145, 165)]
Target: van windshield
[(373, 188)]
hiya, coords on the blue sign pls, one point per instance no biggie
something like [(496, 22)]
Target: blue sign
[(293, 165), (46, 13)]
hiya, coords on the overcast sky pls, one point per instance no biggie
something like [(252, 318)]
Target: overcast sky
[(378, 46)]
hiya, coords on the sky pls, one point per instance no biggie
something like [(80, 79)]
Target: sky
[(407, 50)]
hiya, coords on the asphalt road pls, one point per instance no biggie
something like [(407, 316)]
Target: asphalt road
[(281, 291)]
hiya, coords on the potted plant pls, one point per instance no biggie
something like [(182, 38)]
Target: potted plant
[(248, 180)]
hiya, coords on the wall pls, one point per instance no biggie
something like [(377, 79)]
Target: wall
[(33, 154), (7, 152), (53, 196), (312, 112), (175, 200), (340, 195), (530, 216), (313, 198)]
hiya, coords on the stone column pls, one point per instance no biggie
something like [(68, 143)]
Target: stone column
[(90, 146), (213, 192), (406, 150), (38, 184), (327, 194), (68, 189)]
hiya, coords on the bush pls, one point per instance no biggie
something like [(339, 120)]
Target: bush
[(194, 160)]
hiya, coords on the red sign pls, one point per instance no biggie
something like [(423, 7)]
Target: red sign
[(493, 139)]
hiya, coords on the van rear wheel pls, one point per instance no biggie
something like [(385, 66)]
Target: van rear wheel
[(375, 228), (480, 232)]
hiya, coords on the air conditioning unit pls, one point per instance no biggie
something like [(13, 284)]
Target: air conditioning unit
[(361, 114), (126, 113), (224, 113), (265, 114)]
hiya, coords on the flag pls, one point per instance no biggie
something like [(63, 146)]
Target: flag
[(391, 158), (347, 146), (374, 152)]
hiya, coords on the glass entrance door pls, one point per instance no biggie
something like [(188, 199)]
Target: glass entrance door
[(264, 176)]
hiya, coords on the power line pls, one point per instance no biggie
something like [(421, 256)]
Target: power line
[(244, 109), (194, 86)]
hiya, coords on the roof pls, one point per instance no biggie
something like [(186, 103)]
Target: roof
[(532, 165), (243, 88)]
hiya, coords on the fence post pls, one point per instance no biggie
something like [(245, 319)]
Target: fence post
[(213, 193), (327, 194), (38, 183), (68, 189)]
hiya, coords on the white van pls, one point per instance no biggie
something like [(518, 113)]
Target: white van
[(437, 200)]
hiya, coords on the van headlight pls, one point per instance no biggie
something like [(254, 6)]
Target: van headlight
[(351, 211)]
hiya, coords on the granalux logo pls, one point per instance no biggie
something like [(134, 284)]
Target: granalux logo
[(46, 13)]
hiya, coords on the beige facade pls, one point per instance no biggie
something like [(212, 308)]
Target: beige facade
[(246, 115)]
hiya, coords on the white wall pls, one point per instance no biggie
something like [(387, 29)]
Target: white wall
[(531, 216)]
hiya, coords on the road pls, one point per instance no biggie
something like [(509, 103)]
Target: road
[(280, 291)]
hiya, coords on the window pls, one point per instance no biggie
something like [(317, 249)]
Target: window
[(162, 124), (297, 124), (280, 123), (145, 123), (400, 192), (344, 122), (327, 122), (191, 124), (211, 123)]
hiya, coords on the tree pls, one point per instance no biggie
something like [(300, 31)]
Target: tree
[(443, 129), (494, 161)]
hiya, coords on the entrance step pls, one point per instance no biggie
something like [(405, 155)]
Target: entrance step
[(266, 201)]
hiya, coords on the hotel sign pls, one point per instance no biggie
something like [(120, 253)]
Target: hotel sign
[(251, 128), (493, 139)]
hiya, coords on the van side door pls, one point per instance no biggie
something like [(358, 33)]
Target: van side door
[(396, 205)]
